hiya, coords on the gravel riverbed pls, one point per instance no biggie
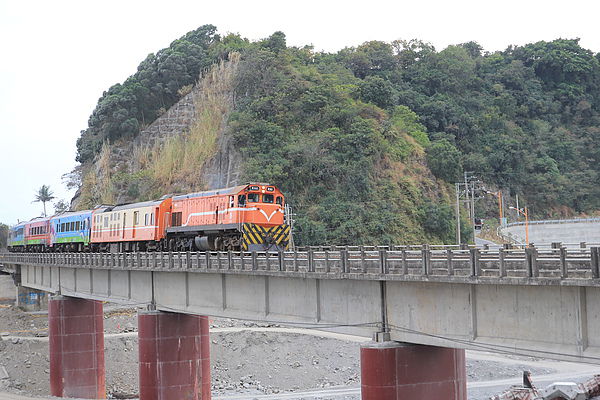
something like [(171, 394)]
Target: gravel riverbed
[(245, 359)]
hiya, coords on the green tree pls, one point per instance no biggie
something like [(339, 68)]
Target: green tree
[(44, 195), (444, 160), (378, 91), (61, 206)]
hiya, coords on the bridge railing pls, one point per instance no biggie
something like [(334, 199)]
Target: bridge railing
[(378, 263)]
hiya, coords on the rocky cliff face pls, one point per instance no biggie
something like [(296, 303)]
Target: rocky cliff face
[(186, 149)]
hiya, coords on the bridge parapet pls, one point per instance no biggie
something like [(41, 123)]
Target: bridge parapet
[(509, 266)]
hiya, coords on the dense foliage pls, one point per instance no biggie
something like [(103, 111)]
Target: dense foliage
[(154, 88), (357, 138)]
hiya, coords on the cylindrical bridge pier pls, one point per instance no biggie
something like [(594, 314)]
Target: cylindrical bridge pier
[(393, 371), (174, 356), (76, 347)]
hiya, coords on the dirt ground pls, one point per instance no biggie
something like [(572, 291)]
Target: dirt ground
[(245, 357)]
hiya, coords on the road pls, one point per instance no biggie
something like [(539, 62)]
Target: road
[(566, 232)]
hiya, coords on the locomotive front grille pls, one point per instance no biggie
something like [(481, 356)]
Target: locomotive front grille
[(260, 238)]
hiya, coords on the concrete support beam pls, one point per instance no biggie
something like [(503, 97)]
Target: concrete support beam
[(174, 355), (394, 371), (76, 339)]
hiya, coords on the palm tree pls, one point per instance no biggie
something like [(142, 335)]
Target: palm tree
[(44, 195)]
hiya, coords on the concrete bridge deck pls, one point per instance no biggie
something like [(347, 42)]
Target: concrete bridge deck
[(536, 302)]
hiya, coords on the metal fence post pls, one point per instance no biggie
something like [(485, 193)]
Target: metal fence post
[(281, 260), (363, 259), (475, 267), (254, 261), (383, 261), (295, 260), (594, 261), (426, 258), (344, 257), (501, 263), (449, 256), (532, 266), (311, 260)]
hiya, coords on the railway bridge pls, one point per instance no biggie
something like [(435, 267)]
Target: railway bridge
[(421, 305)]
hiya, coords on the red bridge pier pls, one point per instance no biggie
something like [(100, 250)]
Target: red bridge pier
[(396, 371), (174, 356), (76, 347)]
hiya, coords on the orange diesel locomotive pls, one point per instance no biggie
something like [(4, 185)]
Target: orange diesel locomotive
[(247, 217)]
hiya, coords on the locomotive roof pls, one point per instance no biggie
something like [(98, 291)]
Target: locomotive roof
[(229, 190)]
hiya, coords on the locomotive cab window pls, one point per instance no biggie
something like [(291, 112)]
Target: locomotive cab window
[(242, 200), (279, 200), (268, 198), (253, 197)]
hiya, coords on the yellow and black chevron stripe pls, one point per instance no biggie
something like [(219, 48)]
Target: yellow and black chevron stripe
[(278, 236)]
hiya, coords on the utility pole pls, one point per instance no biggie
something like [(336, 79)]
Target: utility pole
[(473, 208), (466, 193), (457, 190)]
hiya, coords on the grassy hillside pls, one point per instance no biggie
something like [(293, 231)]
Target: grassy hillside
[(367, 141)]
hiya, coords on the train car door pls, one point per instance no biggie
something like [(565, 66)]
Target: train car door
[(136, 220), (124, 224)]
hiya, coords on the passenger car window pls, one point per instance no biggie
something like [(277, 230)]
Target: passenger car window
[(253, 197), (267, 198)]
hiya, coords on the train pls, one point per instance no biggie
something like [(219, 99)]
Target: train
[(248, 217)]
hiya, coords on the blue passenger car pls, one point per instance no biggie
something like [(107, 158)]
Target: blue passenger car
[(16, 238), (70, 231)]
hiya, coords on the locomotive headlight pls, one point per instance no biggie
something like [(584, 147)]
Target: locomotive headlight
[(270, 189)]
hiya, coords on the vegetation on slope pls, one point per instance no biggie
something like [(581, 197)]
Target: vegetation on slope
[(366, 141), (126, 108)]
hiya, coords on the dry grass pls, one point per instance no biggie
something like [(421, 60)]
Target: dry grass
[(97, 187), (177, 164)]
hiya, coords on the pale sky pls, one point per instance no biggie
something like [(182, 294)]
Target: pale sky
[(57, 57)]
